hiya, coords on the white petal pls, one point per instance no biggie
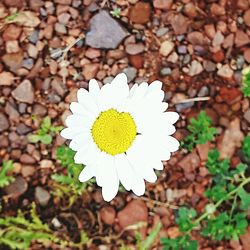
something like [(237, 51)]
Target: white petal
[(155, 85), (70, 133), (140, 91), (171, 144), (94, 89), (73, 146), (121, 79), (85, 99), (85, 174), (132, 90), (171, 117), (164, 106), (158, 165), (78, 121), (77, 108)]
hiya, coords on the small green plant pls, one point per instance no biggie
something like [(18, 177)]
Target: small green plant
[(11, 17), (5, 179), (68, 184), (116, 12), (149, 241), (45, 133), (19, 232), (246, 147), (246, 82), (200, 130), (216, 222)]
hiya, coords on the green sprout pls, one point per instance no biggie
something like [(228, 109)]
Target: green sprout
[(45, 133), (68, 184), (5, 179), (200, 130), (19, 232), (11, 17), (116, 12), (246, 147), (246, 82)]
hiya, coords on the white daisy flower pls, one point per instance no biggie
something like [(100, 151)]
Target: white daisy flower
[(121, 135)]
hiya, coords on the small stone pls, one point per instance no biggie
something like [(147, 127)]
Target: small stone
[(108, 79), (166, 71), (28, 63), (34, 37), (245, 239), (63, 2), (12, 112), (162, 31), (32, 50), (218, 39), (134, 48), (6, 78), (179, 24), (225, 71), (116, 54), (24, 92), (136, 211), (46, 163), (23, 129), (163, 4), (173, 58), (39, 110), (4, 123), (210, 30), (247, 116), (140, 13), (190, 162), (217, 10), (136, 61), (102, 28), (246, 56), (27, 159), (131, 73), (241, 38), (196, 38), (58, 86), (243, 4), (203, 150), (60, 28), (12, 32), (13, 61), (90, 70), (64, 18), (204, 91), (108, 215), (195, 68), (246, 17), (166, 48), (12, 47), (228, 41), (28, 171), (92, 53), (209, 66), (190, 10), (17, 188), (182, 106), (182, 49), (219, 56), (42, 196)]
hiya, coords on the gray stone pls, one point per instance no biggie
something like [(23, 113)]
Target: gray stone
[(204, 91), (166, 71), (108, 79), (105, 32), (24, 92), (60, 28), (4, 123), (42, 196), (182, 106), (28, 63), (33, 38), (162, 31), (22, 129), (131, 73)]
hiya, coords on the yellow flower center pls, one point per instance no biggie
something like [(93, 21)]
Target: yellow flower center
[(113, 131)]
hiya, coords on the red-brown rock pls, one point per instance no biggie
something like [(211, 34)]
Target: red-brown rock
[(163, 4), (246, 17), (241, 38), (12, 32), (247, 55), (140, 13), (136, 61), (108, 215)]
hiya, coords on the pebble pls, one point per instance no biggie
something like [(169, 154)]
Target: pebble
[(179, 24), (246, 55), (245, 239), (60, 28), (241, 38), (28, 63), (246, 17), (27, 159), (204, 91), (12, 47), (217, 10), (90, 70), (228, 41), (166, 48), (134, 212), (131, 73), (24, 92), (4, 123), (166, 71), (140, 13), (23, 129), (162, 31), (243, 4), (108, 215), (134, 48), (196, 38), (195, 68), (34, 37), (12, 112), (225, 71), (12, 32), (163, 4), (182, 106), (92, 53), (190, 162), (108, 79), (58, 86), (13, 61), (6, 78), (39, 110), (103, 26), (186, 59), (42, 196), (28, 171), (182, 49), (17, 188), (136, 61), (64, 18), (218, 39), (210, 30), (190, 10), (32, 50), (247, 116), (209, 66)]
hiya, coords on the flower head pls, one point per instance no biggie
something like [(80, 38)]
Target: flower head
[(121, 134)]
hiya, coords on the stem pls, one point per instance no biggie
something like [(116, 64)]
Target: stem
[(203, 216)]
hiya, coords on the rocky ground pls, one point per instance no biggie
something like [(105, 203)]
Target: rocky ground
[(49, 49)]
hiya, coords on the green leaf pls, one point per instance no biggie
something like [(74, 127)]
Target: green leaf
[(246, 145), (185, 219), (246, 82), (46, 139), (34, 138), (179, 243), (46, 124), (244, 198), (149, 241), (5, 180)]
